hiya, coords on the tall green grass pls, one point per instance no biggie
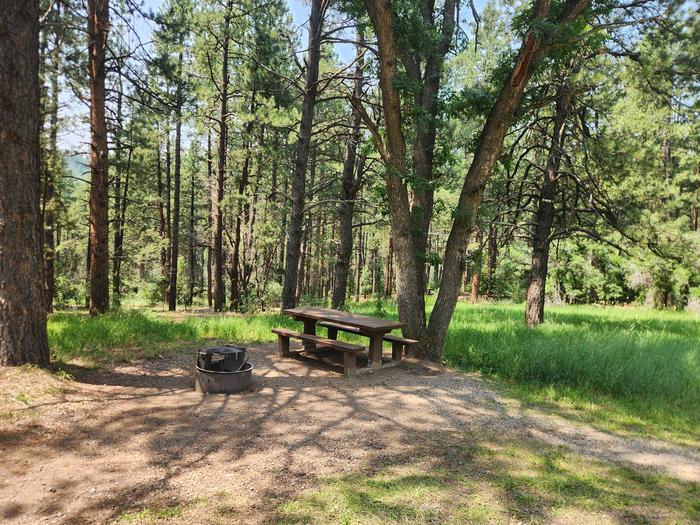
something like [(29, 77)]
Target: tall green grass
[(132, 333), (630, 353)]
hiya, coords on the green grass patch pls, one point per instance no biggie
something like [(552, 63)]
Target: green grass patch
[(133, 334), (149, 515), (627, 369), (495, 481)]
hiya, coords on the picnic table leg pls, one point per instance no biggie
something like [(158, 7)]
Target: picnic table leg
[(309, 328), (375, 350)]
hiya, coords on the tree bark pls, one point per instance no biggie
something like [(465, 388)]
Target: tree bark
[(120, 198), (296, 221), (489, 147), (23, 336), (240, 216), (210, 184), (221, 167), (389, 277), (162, 228), (426, 131), (476, 274), (175, 230), (120, 208), (98, 29), (409, 278), (49, 197), (191, 244), (350, 185), (544, 216), (491, 256)]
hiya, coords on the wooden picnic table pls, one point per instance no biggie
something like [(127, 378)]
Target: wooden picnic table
[(372, 327)]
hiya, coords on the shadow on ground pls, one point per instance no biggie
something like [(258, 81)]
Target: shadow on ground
[(414, 444)]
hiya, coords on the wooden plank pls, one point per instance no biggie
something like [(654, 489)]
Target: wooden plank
[(322, 341), (349, 364), (396, 351), (283, 345), (397, 339), (364, 322), (341, 327)]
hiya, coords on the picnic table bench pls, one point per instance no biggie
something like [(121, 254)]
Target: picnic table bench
[(376, 329), (398, 344), (350, 351)]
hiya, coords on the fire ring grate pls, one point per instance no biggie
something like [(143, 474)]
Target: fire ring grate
[(222, 370)]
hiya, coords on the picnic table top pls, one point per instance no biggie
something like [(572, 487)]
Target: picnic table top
[(364, 322)]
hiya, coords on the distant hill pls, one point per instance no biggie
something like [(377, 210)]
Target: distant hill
[(78, 166)]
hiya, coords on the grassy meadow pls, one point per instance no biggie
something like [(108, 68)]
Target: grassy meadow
[(623, 369)]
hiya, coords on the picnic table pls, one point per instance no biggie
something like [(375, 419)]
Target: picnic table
[(374, 328)]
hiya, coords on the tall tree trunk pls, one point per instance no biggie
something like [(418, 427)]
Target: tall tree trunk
[(210, 184), (307, 234), (240, 216), (98, 29), (220, 170), (175, 238), (120, 220), (424, 143), (296, 221), (162, 227), (191, 244), (51, 171), (476, 274), (491, 255), (120, 198), (23, 337), (488, 149), (389, 277), (409, 268), (350, 185), (544, 216)]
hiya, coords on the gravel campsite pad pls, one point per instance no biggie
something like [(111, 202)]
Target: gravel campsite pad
[(135, 443)]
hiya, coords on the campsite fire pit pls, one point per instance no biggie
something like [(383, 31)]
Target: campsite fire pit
[(222, 370)]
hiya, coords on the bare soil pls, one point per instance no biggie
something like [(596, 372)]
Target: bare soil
[(104, 446)]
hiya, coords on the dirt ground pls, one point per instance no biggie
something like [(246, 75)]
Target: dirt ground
[(110, 442)]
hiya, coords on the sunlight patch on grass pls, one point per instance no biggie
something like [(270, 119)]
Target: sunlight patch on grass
[(149, 515), (499, 481)]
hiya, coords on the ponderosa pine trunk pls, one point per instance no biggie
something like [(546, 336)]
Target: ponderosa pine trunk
[(210, 185), (162, 228), (217, 211), (191, 244), (98, 29), (544, 216), (23, 337), (120, 198), (49, 197), (175, 230), (350, 185), (240, 215), (296, 220)]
